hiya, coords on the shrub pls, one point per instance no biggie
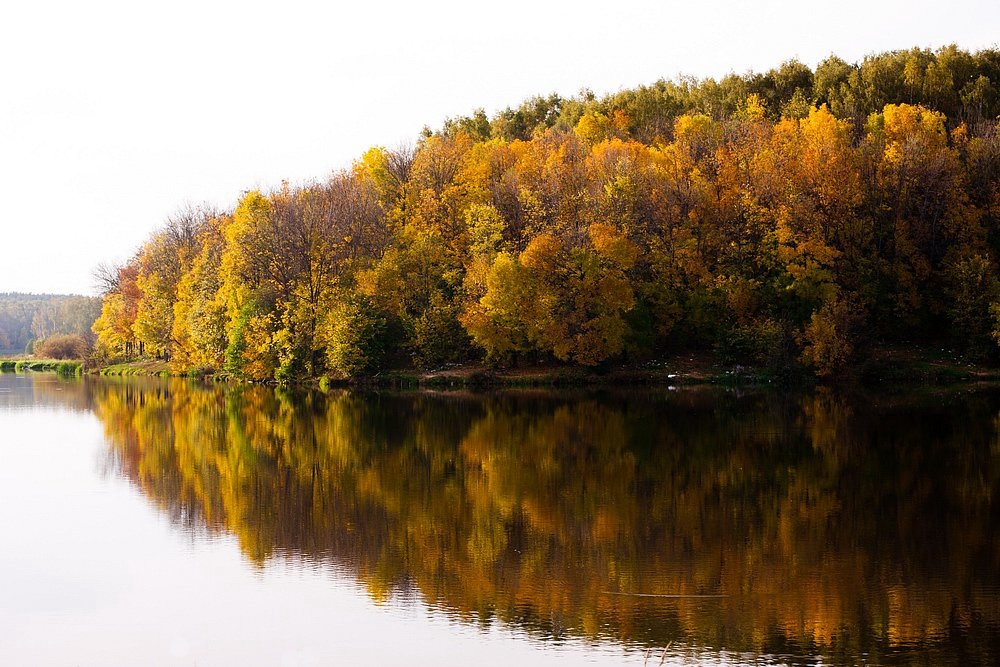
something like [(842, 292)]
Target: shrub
[(762, 343), (71, 346), (354, 335), (438, 336), (831, 338), (972, 288)]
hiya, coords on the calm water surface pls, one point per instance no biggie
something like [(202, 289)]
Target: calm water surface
[(171, 523)]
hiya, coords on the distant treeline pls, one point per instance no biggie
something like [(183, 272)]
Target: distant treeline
[(793, 217), (28, 318)]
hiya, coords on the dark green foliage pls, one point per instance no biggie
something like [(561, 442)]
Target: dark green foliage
[(438, 336), (537, 113), (238, 342), (973, 287), (762, 343), (356, 337)]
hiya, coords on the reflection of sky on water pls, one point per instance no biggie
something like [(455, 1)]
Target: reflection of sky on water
[(36, 390), (92, 574)]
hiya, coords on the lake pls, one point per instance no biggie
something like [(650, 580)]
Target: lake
[(168, 522)]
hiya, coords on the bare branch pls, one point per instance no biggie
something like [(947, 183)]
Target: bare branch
[(105, 278)]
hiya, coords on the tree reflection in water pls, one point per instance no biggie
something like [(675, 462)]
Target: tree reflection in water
[(830, 526)]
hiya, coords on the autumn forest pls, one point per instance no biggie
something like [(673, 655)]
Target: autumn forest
[(793, 219)]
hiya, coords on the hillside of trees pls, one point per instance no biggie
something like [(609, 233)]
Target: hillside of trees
[(790, 218), (26, 319)]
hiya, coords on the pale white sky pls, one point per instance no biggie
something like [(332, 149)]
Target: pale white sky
[(115, 114)]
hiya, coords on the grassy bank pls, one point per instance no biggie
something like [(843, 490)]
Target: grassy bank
[(145, 367), (62, 367)]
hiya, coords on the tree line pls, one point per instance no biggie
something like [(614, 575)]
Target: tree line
[(796, 217), (27, 321)]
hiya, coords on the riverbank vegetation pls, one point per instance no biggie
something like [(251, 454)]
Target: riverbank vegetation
[(794, 219), (60, 366)]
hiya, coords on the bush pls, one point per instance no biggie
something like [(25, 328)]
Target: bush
[(354, 335), (831, 338), (71, 346), (972, 289), (438, 336), (761, 343)]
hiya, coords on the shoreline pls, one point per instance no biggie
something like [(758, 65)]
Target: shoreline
[(889, 367), (66, 367)]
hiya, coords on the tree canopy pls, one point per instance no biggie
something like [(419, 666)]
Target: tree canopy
[(791, 217)]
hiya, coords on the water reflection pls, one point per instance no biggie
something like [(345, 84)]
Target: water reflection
[(30, 391), (806, 528)]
